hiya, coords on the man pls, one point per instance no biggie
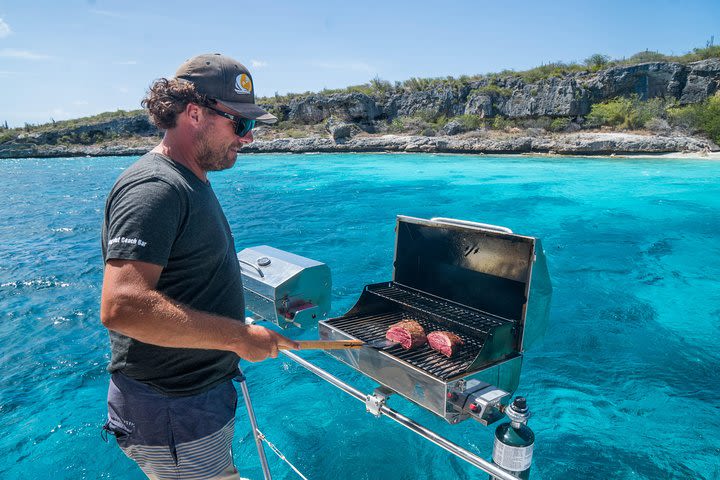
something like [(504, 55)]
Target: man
[(172, 293)]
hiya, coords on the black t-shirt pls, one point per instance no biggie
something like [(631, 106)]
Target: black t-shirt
[(159, 212)]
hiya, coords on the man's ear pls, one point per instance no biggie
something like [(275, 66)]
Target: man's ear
[(194, 113)]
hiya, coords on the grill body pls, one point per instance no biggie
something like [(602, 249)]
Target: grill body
[(284, 288), (472, 281)]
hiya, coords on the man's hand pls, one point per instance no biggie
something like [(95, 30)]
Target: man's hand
[(258, 343)]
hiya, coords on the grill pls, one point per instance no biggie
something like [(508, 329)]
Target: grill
[(473, 280), (477, 330), (485, 284)]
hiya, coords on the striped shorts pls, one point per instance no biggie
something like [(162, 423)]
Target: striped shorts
[(174, 437)]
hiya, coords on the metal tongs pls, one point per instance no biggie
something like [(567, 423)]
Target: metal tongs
[(327, 345), (378, 344), (381, 344)]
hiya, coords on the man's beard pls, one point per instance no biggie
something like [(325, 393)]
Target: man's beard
[(213, 158)]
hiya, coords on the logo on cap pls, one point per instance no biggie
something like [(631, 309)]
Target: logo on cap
[(243, 84)]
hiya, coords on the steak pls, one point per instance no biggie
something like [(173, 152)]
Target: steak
[(446, 343), (408, 333)]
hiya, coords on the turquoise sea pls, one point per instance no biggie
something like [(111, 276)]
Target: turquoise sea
[(625, 384)]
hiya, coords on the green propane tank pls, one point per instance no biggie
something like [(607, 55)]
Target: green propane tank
[(514, 441)]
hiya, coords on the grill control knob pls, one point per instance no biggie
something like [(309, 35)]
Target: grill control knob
[(452, 396), (474, 407)]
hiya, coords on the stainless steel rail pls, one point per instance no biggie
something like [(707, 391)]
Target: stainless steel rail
[(406, 422), (256, 432)]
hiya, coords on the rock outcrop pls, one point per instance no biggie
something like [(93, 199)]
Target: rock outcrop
[(130, 126), (510, 96), (353, 107)]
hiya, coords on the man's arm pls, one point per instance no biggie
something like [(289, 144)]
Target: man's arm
[(132, 306)]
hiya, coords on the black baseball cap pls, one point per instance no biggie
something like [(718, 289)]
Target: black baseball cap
[(225, 80)]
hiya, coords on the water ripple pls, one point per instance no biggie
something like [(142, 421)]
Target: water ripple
[(633, 342)]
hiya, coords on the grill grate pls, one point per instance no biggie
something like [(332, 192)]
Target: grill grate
[(433, 314), (465, 317)]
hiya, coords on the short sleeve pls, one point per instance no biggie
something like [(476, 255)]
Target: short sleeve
[(142, 222)]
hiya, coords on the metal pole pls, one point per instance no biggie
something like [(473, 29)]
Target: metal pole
[(253, 422), (408, 423)]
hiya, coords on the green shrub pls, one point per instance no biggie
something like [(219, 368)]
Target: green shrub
[(709, 118), (612, 113), (441, 121), (597, 61), (417, 84), (365, 88), (432, 116), (6, 137), (277, 111), (648, 56), (559, 124), (494, 90), (469, 122), (502, 123), (550, 70), (626, 113), (397, 125), (711, 51), (381, 86), (686, 117), (704, 117)]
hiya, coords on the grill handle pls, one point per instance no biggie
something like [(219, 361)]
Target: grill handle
[(253, 266), (467, 223)]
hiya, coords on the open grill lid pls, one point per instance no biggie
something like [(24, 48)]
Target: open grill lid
[(469, 279), (485, 269)]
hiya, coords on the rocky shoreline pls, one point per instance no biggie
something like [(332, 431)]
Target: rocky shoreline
[(561, 144), (479, 142)]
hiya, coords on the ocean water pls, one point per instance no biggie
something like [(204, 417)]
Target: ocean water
[(625, 384)]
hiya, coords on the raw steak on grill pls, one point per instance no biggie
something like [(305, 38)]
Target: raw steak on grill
[(408, 333), (446, 343)]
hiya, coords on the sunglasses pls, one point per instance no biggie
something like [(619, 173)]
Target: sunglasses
[(242, 125)]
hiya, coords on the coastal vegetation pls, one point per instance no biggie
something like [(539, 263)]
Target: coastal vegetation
[(659, 115), (557, 97), (704, 117), (594, 63)]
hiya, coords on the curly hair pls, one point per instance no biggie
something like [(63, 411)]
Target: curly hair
[(167, 98)]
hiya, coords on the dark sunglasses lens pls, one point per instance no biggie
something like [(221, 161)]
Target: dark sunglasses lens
[(243, 126)]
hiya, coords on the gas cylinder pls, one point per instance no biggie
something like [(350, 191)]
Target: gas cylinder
[(514, 441)]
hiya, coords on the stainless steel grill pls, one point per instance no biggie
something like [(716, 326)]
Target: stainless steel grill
[(483, 283), (472, 280)]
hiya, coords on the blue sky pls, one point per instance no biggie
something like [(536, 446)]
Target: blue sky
[(66, 59)]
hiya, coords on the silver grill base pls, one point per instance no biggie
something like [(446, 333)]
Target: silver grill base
[(417, 385)]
